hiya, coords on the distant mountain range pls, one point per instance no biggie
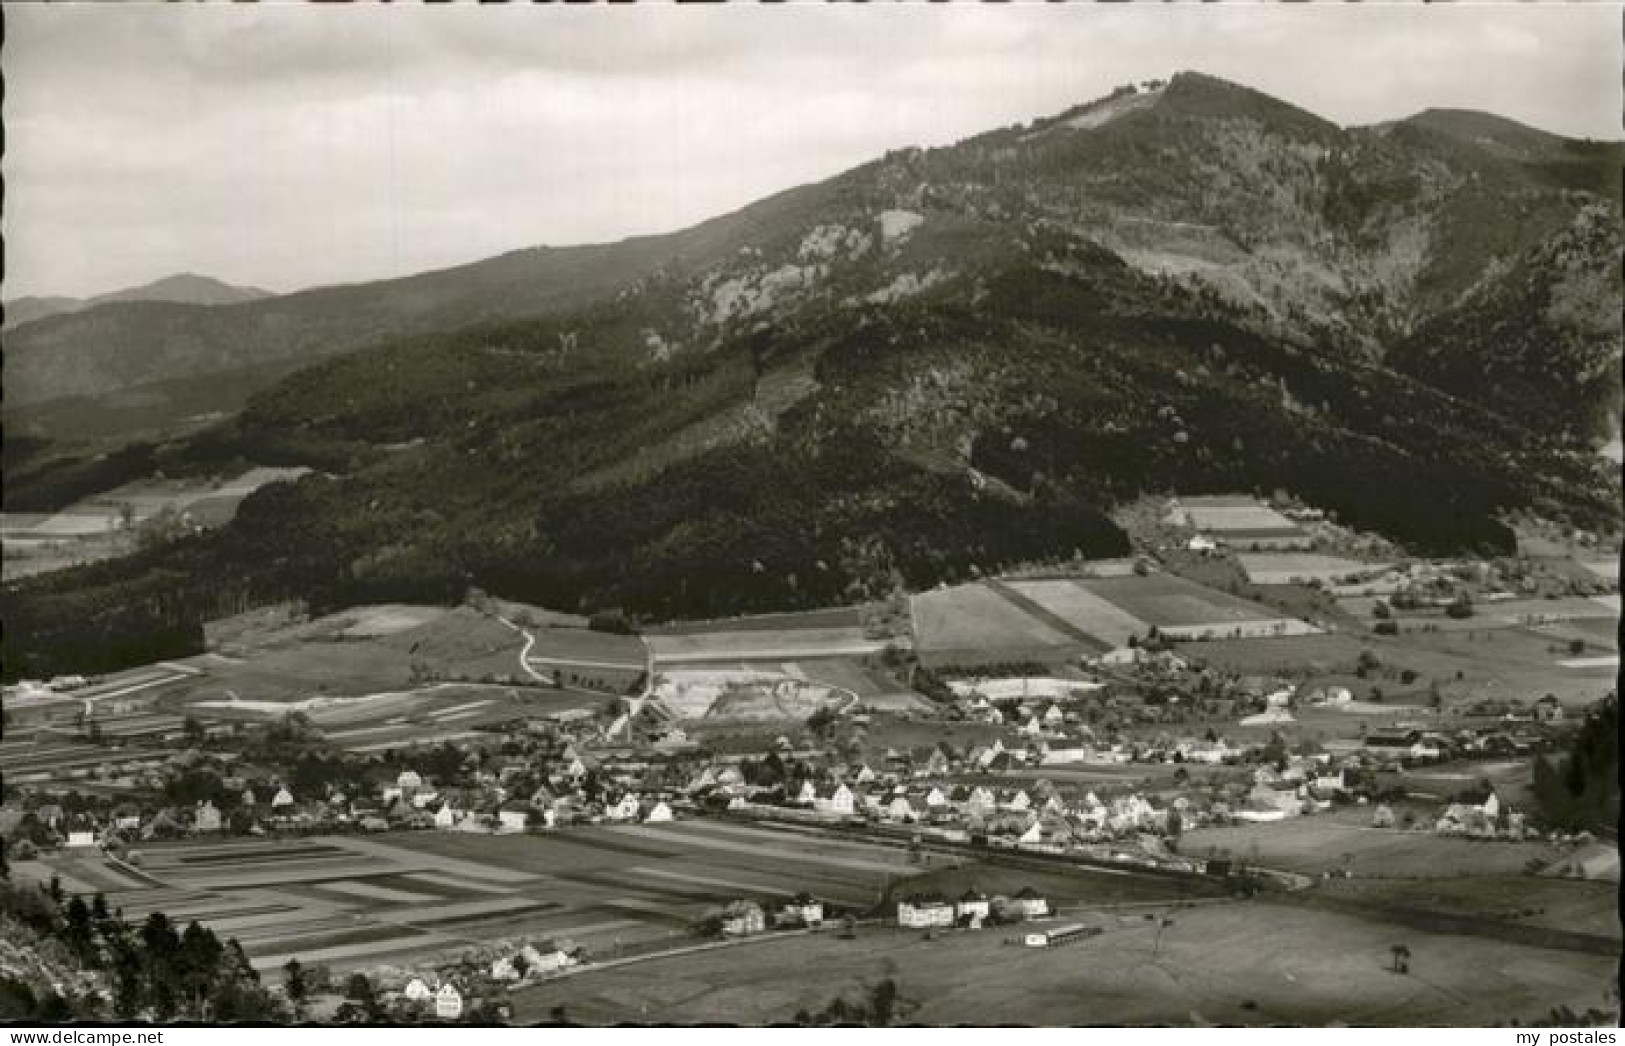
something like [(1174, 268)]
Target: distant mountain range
[(932, 365), (184, 289)]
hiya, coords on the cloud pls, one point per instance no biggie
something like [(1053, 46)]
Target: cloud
[(291, 145)]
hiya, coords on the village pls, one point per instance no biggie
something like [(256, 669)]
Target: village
[(1017, 751)]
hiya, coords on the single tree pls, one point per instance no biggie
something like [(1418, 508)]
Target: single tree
[(294, 984)]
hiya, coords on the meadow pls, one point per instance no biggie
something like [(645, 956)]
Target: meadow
[(1312, 845), (1244, 963)]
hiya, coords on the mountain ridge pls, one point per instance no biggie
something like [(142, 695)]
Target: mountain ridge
[(181, 288), (70, 360)]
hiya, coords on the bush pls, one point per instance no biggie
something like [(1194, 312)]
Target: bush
[(1387, 628)]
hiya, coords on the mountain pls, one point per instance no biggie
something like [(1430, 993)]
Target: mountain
[(1353, 237), (128, 369), (185, 289), (928, 368)]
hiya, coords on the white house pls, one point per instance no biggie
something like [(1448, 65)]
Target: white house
[(81, 840), (623, 809), (836, 801), (512, 817), (805, 909), (549, 960), (408, 781), (417, 990), (743, 918), (1203, 544), (659, 813), (448, 1002), (282, 801), (974, 904), (923, 913)]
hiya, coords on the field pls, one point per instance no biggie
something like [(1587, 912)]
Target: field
[(1086, 611), (359, 901), (1242, 521), (1176, 605), (1322, 843), (834, 617), (1500, 663), (93, 528), (1558, 904), (1050, 620), (369, 678), (1284, 568), (758, 644), (973, 617), (581, 646), (1241, 963)]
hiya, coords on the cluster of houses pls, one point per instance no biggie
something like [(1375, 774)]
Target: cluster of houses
[(431, 996), (971, 910), (743, 918)]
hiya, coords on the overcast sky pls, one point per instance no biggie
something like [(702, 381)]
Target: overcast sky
[(296, 145)]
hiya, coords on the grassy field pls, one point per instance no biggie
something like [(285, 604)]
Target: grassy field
[(763, 645), (1076, 890), (583, 645), (1083, 609), (93, 528), (1325, 842), (973, 617), (1281, 568), (1169, 601), (1228, 964), (1500, 663), (1559, 904), (834, 617)]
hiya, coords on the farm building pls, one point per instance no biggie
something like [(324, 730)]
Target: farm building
[(1027, 904), (973, 904), (743, 918), (512, 816), (448, 1002), (924, 912), (802, 910)]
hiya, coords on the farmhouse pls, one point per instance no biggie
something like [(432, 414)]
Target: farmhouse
[(1401, 744), (923, 912), (1548, 710), (448, 1002), (835, 800), (973, 905), (802, 910), (513, 816), (743, 918), (1027, 904)]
